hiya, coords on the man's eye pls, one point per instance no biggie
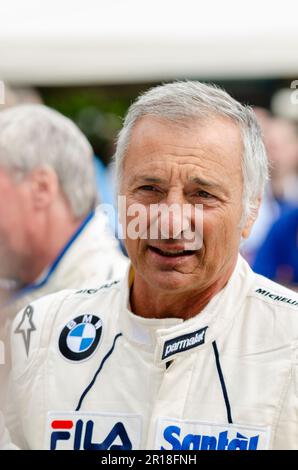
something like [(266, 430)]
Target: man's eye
[(204, 194), (147, 187)]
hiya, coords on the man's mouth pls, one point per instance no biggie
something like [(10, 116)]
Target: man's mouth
[(171, 253)]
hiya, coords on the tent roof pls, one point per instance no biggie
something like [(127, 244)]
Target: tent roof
[(55, 42)]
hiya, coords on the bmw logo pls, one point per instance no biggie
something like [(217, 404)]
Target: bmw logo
[(80, 337)]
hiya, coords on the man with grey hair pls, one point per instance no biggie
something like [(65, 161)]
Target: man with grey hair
[(192, 350), (50, 236)]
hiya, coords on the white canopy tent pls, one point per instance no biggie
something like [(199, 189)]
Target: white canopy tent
[(56, 42)]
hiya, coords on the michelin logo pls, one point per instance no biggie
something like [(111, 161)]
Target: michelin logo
[(277, 298), (194, 435), (183, 343), (95, 290)]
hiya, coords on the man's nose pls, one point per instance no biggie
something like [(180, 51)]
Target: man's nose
[(174, 217), (175, 196)]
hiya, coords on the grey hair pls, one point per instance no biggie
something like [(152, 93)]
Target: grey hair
[(191, 100), (34, 136)]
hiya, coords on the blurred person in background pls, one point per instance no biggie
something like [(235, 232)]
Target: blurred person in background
[(277, 258), (47, 177), (281, 142), (51, 237), (16, 95)]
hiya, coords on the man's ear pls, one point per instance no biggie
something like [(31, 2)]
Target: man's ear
[(44, 186), (251, 219)]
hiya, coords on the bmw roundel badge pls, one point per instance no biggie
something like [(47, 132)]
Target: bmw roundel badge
[(80, 337)]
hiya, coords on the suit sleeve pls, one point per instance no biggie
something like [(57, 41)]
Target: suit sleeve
[(30, 338), (286, 437)]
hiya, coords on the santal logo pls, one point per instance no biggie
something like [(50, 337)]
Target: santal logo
[(172, 435), (87, 431), (195, 435)]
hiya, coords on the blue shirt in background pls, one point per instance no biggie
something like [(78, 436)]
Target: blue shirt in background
[(277, 258)]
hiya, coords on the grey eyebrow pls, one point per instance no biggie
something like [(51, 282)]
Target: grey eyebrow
[(149, 179), (197, 180), (206, 183)]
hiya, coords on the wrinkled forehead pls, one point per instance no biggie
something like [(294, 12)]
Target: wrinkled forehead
[(212, 144)]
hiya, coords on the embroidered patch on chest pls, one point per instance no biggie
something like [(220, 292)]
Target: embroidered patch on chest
[(174, 434), (80, 337), (92, 431)]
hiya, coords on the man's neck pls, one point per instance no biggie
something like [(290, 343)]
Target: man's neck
[(151, 303), (45, 253)]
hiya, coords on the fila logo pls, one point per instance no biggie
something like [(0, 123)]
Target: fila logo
[(85, 431)]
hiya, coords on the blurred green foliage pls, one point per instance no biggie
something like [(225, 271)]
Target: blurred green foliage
[(98, 111)]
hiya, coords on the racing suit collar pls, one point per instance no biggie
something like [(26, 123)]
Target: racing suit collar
[(50, 270), (170, 338)]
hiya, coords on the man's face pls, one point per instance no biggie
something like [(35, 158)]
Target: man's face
[(14, 218), (196, 164)]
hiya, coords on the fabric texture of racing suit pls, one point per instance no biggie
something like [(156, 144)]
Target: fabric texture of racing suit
[(224, 379), (91, 256), (5, 442)]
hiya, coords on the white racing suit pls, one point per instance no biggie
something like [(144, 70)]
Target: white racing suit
[(5, 443), (96, 376), (91, 256)]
